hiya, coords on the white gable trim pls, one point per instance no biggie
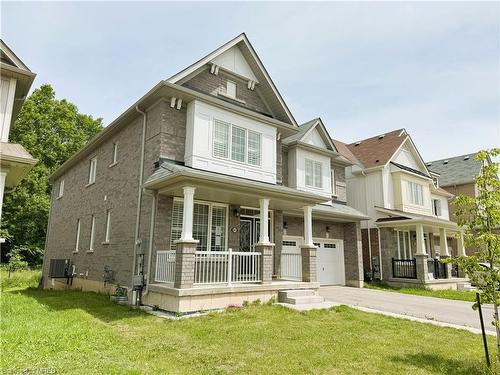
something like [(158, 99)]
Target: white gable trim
[(413, 149), (323, 133), (12, 56), (240, 38)]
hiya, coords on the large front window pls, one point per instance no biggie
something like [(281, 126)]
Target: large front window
[(235, 143), (404, 245), (414, 193), (314, 175), (209, 225)]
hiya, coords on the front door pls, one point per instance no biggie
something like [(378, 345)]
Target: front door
[(249, 233)]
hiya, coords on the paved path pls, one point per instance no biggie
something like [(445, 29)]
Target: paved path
[(458, 313)]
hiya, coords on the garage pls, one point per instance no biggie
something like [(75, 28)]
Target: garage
[(329, 260)]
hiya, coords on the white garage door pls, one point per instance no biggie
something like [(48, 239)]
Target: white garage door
[(330, 261)]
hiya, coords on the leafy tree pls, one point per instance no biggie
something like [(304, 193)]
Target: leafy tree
[(51, 130), (16, 262), (480, 219)]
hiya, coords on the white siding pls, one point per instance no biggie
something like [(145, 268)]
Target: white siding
[(315, 139), (199, 143), (364, 193), (233, 61), (7, 91), (445, 214)]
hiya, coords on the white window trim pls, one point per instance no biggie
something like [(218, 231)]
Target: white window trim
[(314, 163), (77, 240), (115, 155), (107, 231), (60, 192), (209, 223), (230, 144), (92, 234), (92, 171), (334, 183)]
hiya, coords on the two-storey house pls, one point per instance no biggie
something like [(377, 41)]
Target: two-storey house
[(204, 193), (409, 230), (15, 82)]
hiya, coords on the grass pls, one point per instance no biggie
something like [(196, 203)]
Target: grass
[(19, 279), (74, 332), (461, 295)]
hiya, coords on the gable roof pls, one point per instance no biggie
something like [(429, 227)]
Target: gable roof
[(307, 128), (265, 83), (378, 150), (456, 170)]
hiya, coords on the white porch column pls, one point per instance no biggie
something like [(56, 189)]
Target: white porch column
[(187, 217), (264, 218), (460, 245), (3, 175), (443, 243), (308, 237), (420, 240)]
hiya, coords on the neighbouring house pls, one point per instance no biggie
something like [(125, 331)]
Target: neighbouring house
[(457, 176), (409, 230), (15, 82), (204, 193)]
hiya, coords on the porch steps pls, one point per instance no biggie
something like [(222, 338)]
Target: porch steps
[(303, 299), (465, 286)]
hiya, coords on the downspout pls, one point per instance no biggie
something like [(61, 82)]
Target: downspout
[(139, 193), (368, 225), (151, 238)]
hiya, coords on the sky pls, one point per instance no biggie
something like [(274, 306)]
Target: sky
[(364, 68)]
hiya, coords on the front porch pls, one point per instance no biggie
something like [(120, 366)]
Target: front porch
[(413, 252), (218, 240)]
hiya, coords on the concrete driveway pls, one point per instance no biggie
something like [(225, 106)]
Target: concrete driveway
[(458, 313)]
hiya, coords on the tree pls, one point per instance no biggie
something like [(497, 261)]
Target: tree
[(51, 130), (480, 219)]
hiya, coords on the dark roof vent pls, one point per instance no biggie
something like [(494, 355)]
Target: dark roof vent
[(467, 157), (376, 161), (381, 136), (445, 162), (357, 143), (429, 164)]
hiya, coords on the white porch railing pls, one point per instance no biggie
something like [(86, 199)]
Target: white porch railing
[(227, 267), (291, 266), (165, 266)]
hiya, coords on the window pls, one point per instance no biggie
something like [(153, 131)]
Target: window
[(235, 143), (313, 173), (414, 193), (92, 170), (253, 148), (92, 233), (404, 246), (77, 240), (289, 243), (209, 225), (61, 189), (238, 144), (114, 158), (231, 89), (221, 139), (436, 207), (108, 226), (334, 183), (330, 246)]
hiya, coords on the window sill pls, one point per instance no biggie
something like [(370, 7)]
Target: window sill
[(75, 251), (105, 243), (90, 184), (112, 164), (90, 251)]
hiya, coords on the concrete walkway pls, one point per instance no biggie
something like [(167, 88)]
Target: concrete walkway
[(428, 309)]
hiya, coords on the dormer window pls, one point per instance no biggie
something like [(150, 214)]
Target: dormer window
[(231, 89), (313, 173)]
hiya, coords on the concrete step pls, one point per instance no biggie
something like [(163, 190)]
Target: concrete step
[(296, 293), (311, 306), (465, 286), (303, 300)]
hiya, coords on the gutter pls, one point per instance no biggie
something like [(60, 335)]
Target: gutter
[(139, 193)]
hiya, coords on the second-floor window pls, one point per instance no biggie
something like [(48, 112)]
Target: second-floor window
[(314, 175), (235, 143), (92, 233), (107, 232), (77, 240), (92, 170), (60, 192), (334, 183), (414, 193), (114, 158), (436, 207)]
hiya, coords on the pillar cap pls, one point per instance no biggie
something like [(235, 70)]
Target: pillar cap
[(264, 244), (305, 246), (186, 241)]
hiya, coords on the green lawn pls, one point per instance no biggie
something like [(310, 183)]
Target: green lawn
[(461, 295), (83, 333)]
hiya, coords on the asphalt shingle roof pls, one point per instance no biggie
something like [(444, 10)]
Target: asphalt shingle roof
[(456, 170)]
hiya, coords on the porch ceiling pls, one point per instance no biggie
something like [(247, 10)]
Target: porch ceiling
[(171, 178)]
